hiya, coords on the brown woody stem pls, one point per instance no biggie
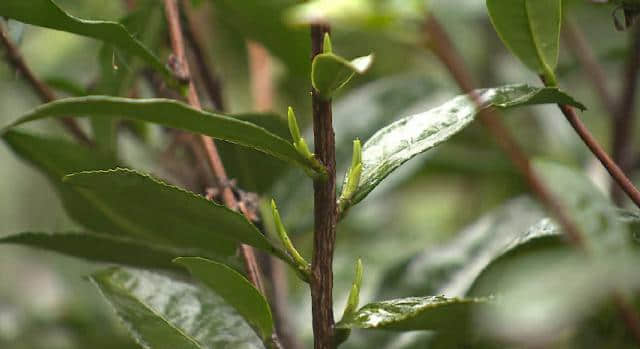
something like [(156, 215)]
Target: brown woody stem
[(43, 90), (325, 212), (213, 158)]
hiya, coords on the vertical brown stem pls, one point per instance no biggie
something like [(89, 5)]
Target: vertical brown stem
[(43, 90), (325, 212), (443, 48), (213, 158), (623, 126)]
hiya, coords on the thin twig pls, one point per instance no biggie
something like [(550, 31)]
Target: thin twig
[(614, 170), (325, 212), (210, 80), (575, 40), (43, 90), (443, 47), (213, 158), (624, 121)]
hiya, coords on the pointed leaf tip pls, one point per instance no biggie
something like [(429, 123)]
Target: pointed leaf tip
[(327, 47)]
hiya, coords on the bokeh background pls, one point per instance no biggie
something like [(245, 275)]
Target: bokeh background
[(46, 303)]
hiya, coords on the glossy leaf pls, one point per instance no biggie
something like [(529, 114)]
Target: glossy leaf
[(400, 141), (56, 158), (236, 290), (45, 13), (171, 114), (149, 209), (415, 313), (330, 72), (100, 248), (161, 313), (530, 29)]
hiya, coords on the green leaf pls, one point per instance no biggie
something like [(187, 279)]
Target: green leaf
[(57, 158), (415, 314), (330, 72), (400, 141), (171, 114), (155, 211), (45, 13), (162, 313), (235, 289), (531, 30), (100, 248)]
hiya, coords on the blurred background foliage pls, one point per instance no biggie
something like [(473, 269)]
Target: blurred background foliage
[(44, 301)]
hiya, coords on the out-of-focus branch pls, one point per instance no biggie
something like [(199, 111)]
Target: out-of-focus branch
[(441, 45), (443, 48), (44, 92), (210, 80), (261, 79), (624, 120)]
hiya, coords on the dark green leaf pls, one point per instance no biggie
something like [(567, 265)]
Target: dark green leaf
[(530, 29), (100, 248), (152, 210), (330, 72), (416, 313), (172, 114), (161, 313), (400, 141), (57, 158), (235, 289), (45, 13)]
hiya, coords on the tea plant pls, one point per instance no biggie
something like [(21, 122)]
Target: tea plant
[(193, 245)]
